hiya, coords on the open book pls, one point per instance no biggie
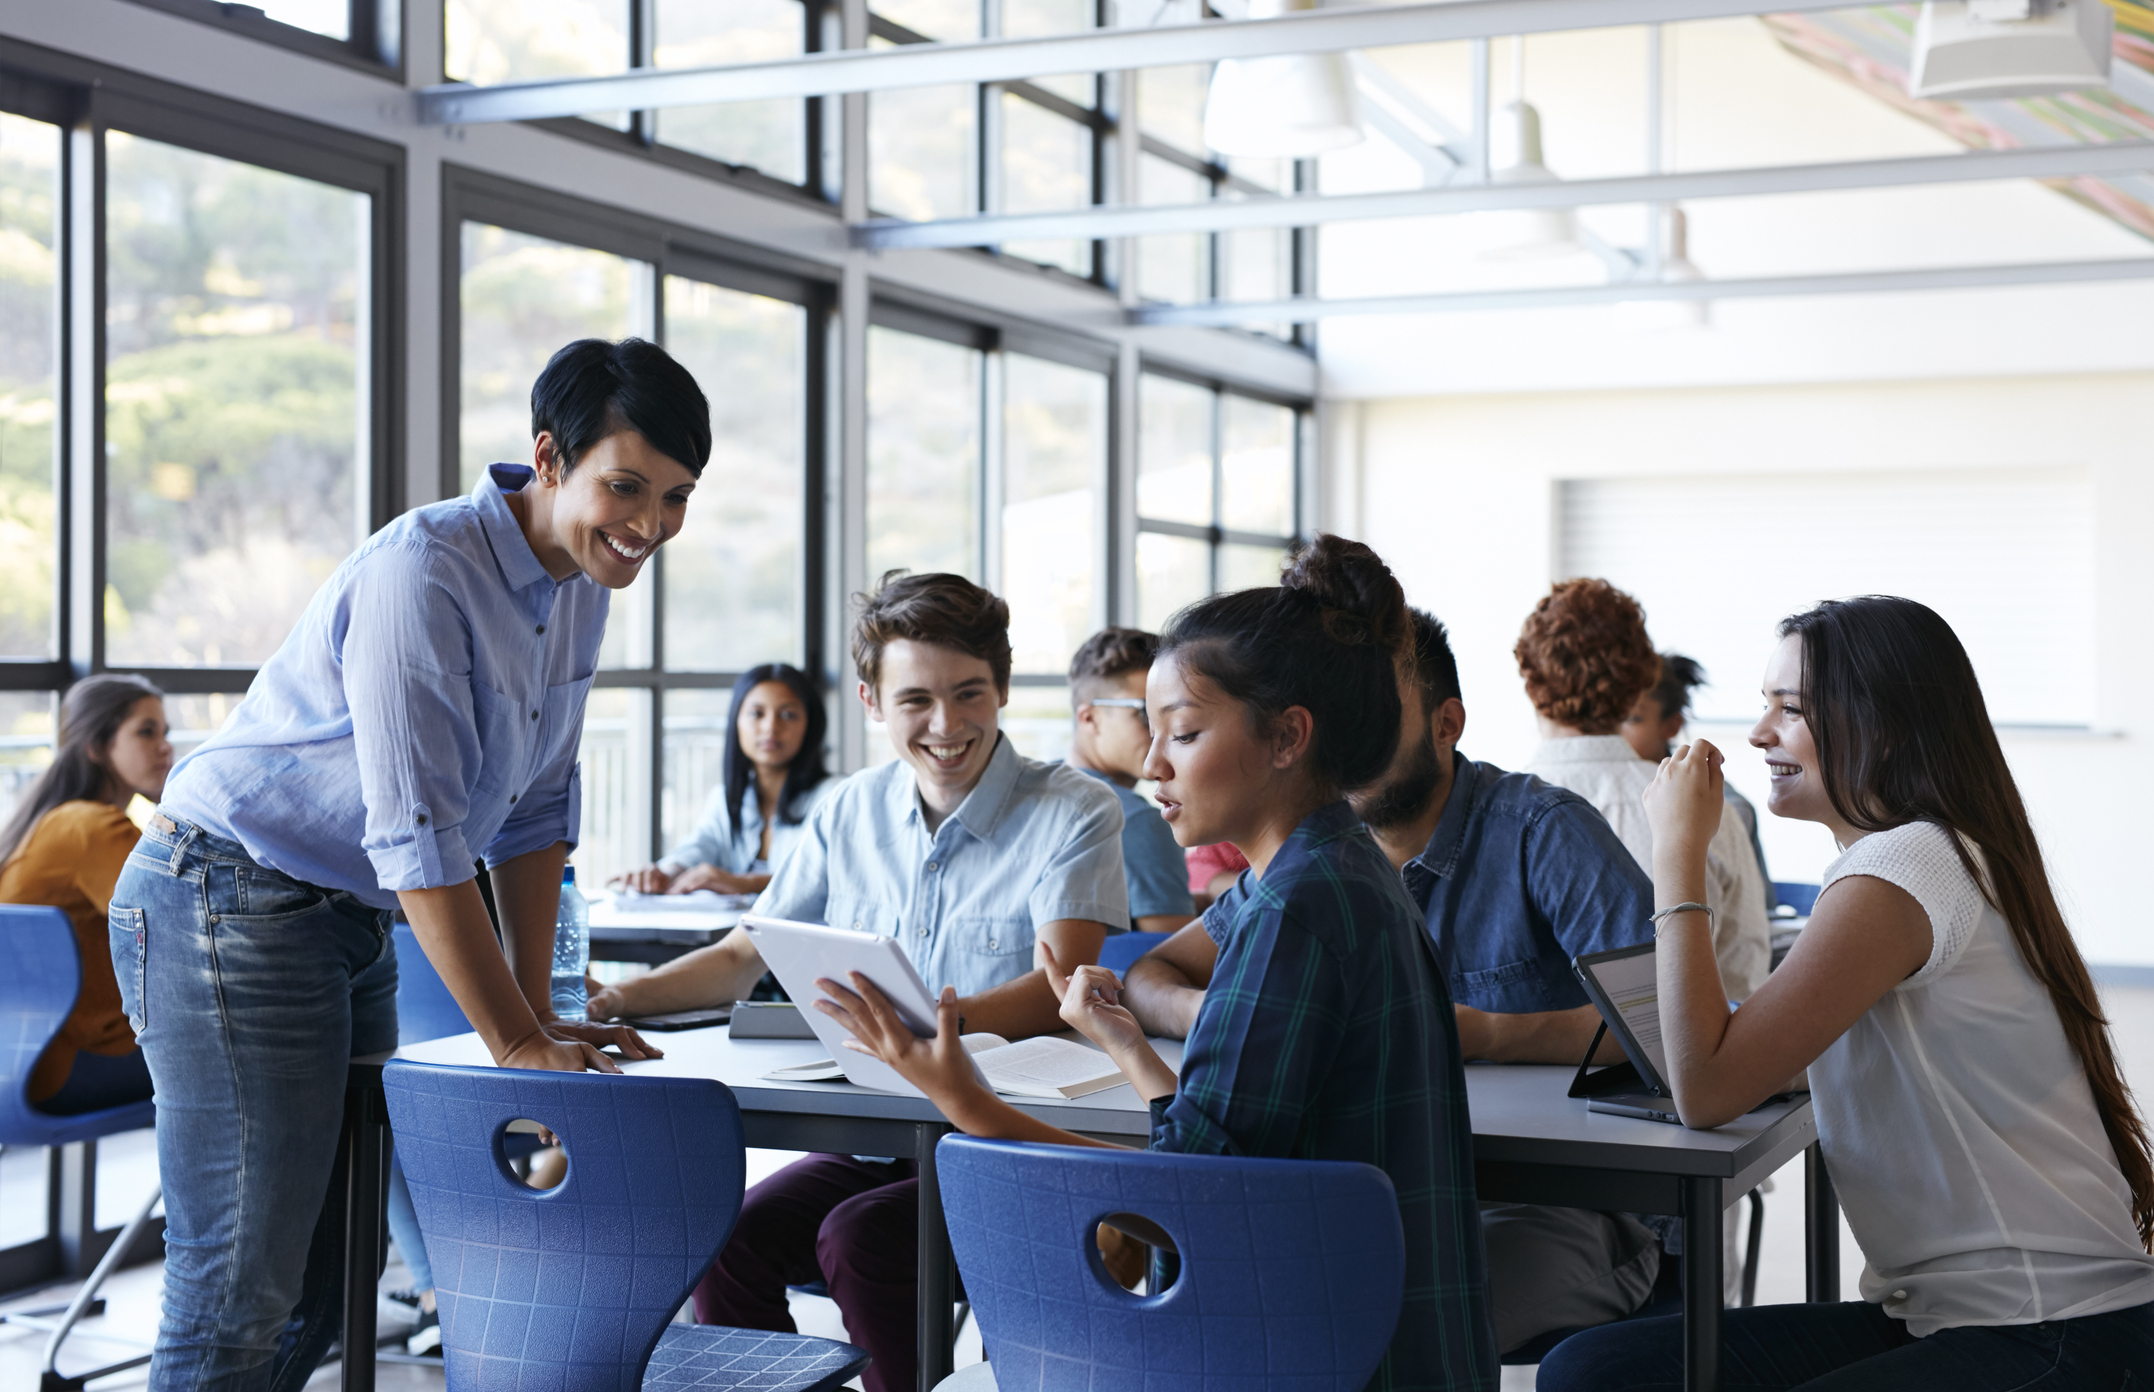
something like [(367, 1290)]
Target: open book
[(1042, 1067)]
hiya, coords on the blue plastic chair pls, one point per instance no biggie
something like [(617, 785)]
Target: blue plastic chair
[(573, 1288), (1800, 897), (1121, 949), (1291, 1271), (424, 1008), (40, 977)]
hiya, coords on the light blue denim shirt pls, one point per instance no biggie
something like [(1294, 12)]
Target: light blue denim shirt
[(1031, 843), (427, 709), (714, 842)]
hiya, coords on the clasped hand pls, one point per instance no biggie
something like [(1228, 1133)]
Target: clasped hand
[(1683, 802)]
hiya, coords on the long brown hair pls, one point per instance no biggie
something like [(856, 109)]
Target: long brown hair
[(90, 716), (1903, 736)]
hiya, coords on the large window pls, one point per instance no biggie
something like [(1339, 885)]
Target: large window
[(1217, 478), (29, 354), (733, 589)]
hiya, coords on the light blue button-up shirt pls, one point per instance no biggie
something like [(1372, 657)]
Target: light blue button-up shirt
[(1031, 843), (715, 842), (427, 709)]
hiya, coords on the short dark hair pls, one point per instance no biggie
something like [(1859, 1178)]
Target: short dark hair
[(592, 389), (1435, 669), (1331, 638), (932, 608), (1107, 654), (1585, 656), (1679, 676)]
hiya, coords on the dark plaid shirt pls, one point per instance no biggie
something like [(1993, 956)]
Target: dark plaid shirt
[(1327, 1034)]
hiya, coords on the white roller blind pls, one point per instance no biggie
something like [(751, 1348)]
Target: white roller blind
[(2005, 555)]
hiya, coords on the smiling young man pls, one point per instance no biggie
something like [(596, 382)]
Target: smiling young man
[(426, 710), (976, 859)]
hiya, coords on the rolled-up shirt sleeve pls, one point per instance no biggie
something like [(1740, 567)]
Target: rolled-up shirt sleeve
[(407, 668), (1083, 878)]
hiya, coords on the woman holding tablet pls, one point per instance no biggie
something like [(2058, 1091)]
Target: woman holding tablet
[(1982, 1141), (1327, 1032), (426, 710)]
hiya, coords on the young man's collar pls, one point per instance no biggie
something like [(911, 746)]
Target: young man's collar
[(1440, 856), (988, 802)]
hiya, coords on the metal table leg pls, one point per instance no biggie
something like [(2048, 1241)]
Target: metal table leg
[(938, 1272), (1821, 1241), (365, 1137), (1702, 1284)]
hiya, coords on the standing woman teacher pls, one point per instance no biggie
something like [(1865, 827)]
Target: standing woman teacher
[(426, 712)]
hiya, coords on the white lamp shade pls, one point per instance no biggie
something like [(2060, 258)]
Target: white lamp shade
[(1294, 106), (1962, 54), (1515, 158)]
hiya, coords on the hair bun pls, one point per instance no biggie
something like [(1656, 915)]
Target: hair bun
[(1360, 597)]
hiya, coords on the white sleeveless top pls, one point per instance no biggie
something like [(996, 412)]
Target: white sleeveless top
[(1960, 1130)]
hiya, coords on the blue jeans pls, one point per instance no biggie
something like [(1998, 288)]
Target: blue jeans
[(249, 992), (1854, 1346)]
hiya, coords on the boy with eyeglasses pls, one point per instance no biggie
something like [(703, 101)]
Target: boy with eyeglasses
[(1110, 742)]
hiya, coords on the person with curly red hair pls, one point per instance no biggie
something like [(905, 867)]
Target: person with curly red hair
[(1586, 659)]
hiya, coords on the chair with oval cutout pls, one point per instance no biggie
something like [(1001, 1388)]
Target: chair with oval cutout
[(1291, 1271), (574, 1287)]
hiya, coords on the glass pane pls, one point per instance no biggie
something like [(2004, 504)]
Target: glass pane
[(29, 350), (1046, 166), (1026, 18), (920, 152), (1038, 721), (1253, 264), (616, 783), (937, 19), (1250, 567), (1177, 267), (732, 577), (766, 135), (1274, 174), (232, 401), (1170, 104), (923, 454), (195, 718), (331, 17), (1171, 571), (627, 640), (1256, 466), (523, 298), (695, 758), (1174, 451), (1054, 447), (491, 41), (25, 749)]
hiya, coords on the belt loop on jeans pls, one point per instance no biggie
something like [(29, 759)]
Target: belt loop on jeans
[(183, 833)]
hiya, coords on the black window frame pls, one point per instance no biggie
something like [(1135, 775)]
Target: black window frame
[(374, 29)]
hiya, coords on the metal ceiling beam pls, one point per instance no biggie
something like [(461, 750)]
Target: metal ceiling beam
[(2118, 157), (1225, 315), (1093, 50)]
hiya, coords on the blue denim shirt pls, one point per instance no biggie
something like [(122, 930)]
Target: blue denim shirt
[(1520, 877), (1030, 844), (715, 842), (428, 708)]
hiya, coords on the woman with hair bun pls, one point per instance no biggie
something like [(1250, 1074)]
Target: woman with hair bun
[(1327, 1033)]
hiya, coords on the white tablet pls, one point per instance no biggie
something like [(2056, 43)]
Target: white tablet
[(800, 953)]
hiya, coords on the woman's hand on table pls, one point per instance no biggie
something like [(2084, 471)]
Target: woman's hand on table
[(631, 1044), (709, 877), (540, 1050), (651, 879)]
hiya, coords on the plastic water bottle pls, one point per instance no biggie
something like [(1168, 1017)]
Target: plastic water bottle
[(571, 948)]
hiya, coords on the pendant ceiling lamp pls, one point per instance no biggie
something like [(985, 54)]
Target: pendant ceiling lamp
[(1293, 106), (1664, 316), (1514, 157), (1966, 50)]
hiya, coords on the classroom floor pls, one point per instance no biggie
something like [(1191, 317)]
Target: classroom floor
[(128, 1166)]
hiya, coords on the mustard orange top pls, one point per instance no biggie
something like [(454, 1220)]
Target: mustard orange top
[(71, 859)]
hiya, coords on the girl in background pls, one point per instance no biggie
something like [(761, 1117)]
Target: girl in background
[(776, 751), (64, 846)]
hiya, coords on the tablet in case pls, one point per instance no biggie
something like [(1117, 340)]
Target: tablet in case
[(1624, 987)]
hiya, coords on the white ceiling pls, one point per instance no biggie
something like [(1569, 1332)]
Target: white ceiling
[(1736, 99)]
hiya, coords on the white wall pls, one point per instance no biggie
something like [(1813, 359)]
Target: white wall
[(1457, 494)]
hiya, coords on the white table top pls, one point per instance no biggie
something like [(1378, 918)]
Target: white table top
[(1520, 1113)]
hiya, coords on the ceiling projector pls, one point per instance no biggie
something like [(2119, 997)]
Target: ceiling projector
[(1969, 49)]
